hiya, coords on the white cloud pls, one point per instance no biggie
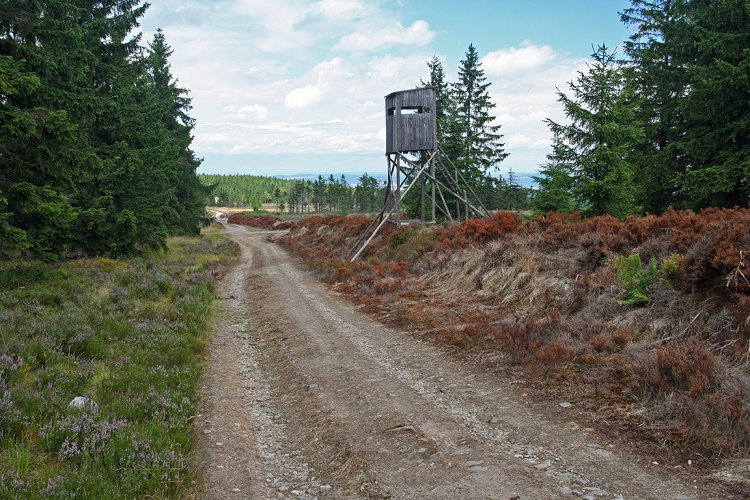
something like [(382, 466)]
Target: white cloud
[(340, 9), (525, 100), (312, 93), (304, 97), (515, 60), (418, 34), (273, 22), (390, 69), (253, 112), (212, 140), (264, 76), (325, 68)]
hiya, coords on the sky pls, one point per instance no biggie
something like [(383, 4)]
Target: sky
[(281, 87)]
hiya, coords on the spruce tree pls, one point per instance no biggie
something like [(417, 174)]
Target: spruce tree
[(319, 194), (555, 182), (481, 149), (444, 102), (658, 51), (493, 192), (598, 142), (467, 135), (174, 106), (366, 194), (690, 64), (17, 127), (43, 151), (514, 193), (716, 109), (94, 151), (448, 140)]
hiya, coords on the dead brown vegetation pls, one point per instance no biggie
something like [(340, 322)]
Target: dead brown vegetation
[(544, 295), (260, 221)]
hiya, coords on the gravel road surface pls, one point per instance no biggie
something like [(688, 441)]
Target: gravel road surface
[(306, 397)]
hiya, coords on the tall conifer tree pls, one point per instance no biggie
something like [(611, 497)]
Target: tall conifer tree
[(174, 106), (716, 140), (555, 182), (94, 154), (443, 96), (658, 51), (481, 149), (445, 122), (691, 65), (597, 145)]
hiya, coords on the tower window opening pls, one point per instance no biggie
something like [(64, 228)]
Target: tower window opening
[(414, 110)]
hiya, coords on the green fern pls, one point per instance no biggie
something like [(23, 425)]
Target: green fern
[(634, 279)]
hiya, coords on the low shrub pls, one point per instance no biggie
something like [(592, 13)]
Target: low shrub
[(686, 366), (479, 231), (127, 334), (260, 221)]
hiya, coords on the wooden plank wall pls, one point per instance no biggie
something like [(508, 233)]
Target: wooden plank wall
[(413, 131)]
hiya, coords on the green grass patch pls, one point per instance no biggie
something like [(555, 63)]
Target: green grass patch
[(128, 335)]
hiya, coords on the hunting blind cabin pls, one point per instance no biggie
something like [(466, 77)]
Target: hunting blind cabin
[(415, 159)]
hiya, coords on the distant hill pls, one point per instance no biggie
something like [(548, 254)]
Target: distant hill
[(524, 179)]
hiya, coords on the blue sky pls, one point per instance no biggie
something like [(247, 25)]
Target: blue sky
[(295, 86)]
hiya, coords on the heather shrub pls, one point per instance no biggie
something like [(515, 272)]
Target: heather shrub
[(686, 366), (257, 221), (478, 231), (406, 244), (128, 334), (322, 238), (81, 435), (694, 396)]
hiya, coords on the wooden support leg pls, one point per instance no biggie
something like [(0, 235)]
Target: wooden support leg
[(432, 173)]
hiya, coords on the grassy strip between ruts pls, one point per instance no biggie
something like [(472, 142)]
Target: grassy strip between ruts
[(129, 336)]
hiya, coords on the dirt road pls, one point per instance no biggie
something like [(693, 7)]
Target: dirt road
[(305, 397)]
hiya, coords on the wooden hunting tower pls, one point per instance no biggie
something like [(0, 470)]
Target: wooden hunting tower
[(414, 159), (410, 121)]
